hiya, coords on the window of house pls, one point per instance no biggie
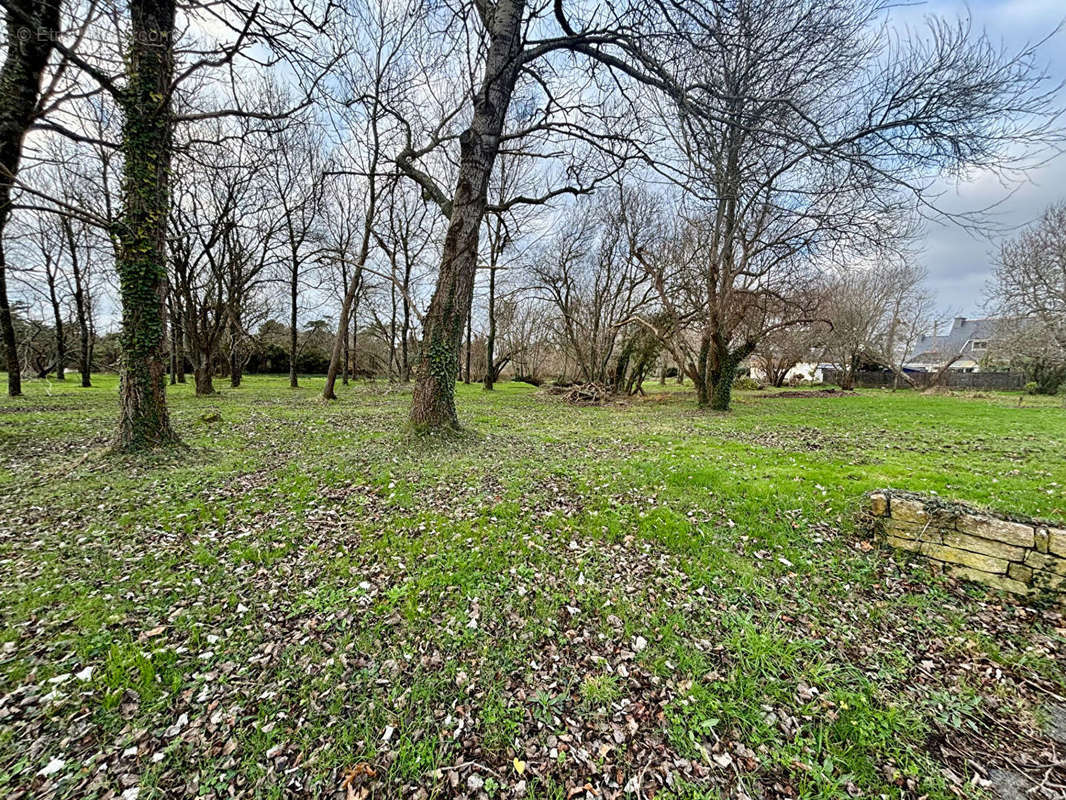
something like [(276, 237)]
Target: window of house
[(980, 344)]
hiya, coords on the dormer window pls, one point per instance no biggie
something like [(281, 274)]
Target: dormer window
[(980, 344)]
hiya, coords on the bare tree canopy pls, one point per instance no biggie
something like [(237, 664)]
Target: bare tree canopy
[(604, 188)]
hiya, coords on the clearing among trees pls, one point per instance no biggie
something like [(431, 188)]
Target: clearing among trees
[(633, 600)]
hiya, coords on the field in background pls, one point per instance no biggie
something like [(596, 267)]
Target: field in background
[(638, 598)]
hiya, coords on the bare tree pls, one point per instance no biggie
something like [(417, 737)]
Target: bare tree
[(512, 41), (31, 31), (297, 173), (855, 305), (1030, 278), (781, 350), (1029, 294), (808, 142), (910, 312), (594, 280), (511, 173)]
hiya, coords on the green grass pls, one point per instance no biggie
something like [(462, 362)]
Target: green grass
[(600, 593)]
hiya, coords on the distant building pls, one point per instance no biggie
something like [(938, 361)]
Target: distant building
[(965, 346), (805, 371)]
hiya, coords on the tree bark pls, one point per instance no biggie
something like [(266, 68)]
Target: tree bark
[(340, 342), (85, 359), (147, 129), (346, 368), (405, 325), (204, 374), (236, 363), (490, 341), (179, 337), (437, 364), (293, 342), (7, 322), (81, 306), (57, 316), (31, 31), (341, 339)]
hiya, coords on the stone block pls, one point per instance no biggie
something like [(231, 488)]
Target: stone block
[(1042, 536), (988, 579), (1048, 581), (912, 511), (976, 544), (1000, 530), (1047, 563), (964, 558), (879, 504), (908, 530), (1056, 541), (904, 544), (1020, 573)]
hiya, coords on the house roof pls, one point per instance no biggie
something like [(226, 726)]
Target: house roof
[(934, 348)]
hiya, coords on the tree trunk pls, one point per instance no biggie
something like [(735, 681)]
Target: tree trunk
[(347, 368), (180, 346), (146, 147), (469, 349), (204, 374), (437, 364), (721, 370), (293, 342), (85, 359), (82, 307), (355, 338), (31, 32), (847, 377), (236, 370), (722, 384), (341, 339), (173, 358), (7, 322), (236, 362), (490, 341), (405, 326), (57, 317)]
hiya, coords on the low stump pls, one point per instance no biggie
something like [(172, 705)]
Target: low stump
[(1020, 555)]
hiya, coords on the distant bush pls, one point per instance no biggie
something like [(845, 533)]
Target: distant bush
[(744, 383), (1046, 376)]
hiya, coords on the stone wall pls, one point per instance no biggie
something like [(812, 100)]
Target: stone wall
[(1019, 555)]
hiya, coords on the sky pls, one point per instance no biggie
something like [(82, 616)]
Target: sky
[(959, 263)]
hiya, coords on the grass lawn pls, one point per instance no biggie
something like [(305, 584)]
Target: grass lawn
[(638, 600)]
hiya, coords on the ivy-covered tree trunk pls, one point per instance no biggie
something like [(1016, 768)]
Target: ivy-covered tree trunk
[(723, 369), (31, 30), (437, 364), (141, 230), (700, 373)]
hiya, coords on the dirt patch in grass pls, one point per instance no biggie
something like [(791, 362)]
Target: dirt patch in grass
[(798, 394)]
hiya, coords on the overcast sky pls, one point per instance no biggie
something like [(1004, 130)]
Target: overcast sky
[(959, 263)]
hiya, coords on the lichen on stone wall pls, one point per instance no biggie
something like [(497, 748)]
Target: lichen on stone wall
[(1016, 554)]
